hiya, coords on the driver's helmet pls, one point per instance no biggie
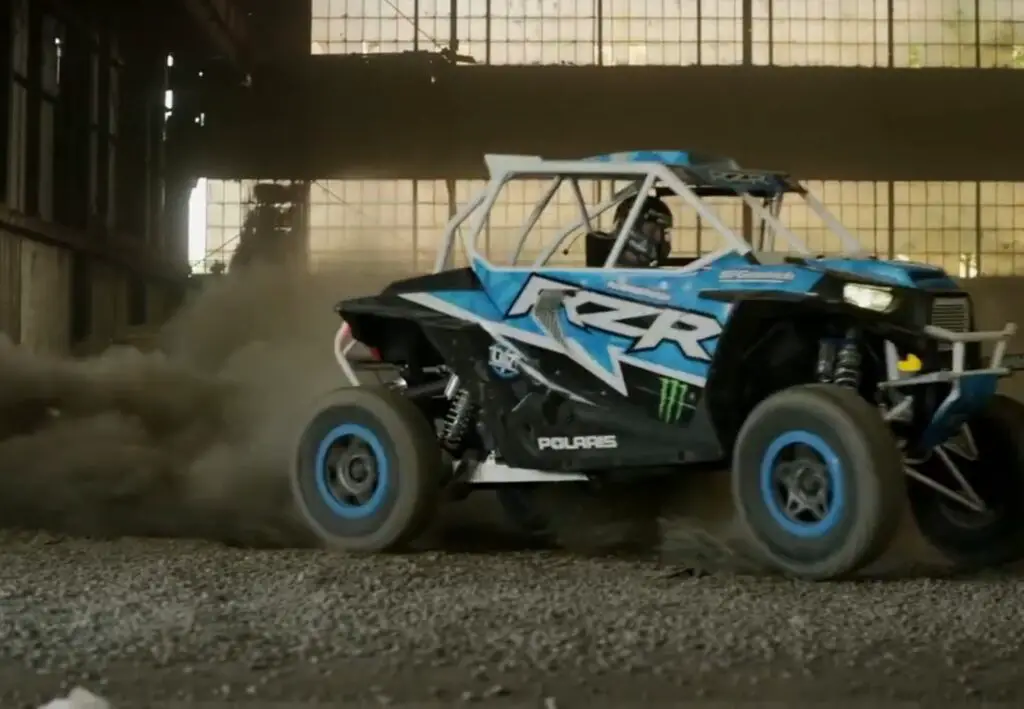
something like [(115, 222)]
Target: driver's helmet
[(647, 243)]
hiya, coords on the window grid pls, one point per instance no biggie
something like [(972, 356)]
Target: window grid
[(862, 207), (657, 32), (394, 227), (376, 27), (650, 32), (820, 32), (227, 202), (931, 33), (926, 33), (935, 222), (1001, 33), (432, 214), (1001, 219), (472, 26), (532, 31), (365, 225)]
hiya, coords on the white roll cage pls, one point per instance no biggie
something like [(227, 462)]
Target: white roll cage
[(644, 177)]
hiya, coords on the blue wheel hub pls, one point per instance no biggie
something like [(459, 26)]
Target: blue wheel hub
[(802, 484), (352, 471)]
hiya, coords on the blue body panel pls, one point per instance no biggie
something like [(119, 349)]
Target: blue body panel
[(677, 289), (901, 273), (682, 290), (974, 395), (671, 158)]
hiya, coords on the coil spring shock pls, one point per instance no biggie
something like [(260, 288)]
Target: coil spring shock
[(848, 361), (459, 416), (826, 361)]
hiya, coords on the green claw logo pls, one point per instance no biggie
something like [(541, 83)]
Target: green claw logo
[(675, 399)]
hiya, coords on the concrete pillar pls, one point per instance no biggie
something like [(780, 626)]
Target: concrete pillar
[(45, 297), (10, 285)]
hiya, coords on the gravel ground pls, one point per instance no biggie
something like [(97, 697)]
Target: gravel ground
[(205, 625), (140, 621)]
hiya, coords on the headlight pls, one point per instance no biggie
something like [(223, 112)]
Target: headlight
[(868, 297)]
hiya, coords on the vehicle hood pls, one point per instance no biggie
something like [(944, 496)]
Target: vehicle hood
[(901, 273)]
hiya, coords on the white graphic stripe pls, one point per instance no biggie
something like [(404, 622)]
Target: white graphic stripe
[(615, 378)]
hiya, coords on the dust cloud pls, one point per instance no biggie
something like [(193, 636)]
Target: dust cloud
[(193, 439), (190, 440)]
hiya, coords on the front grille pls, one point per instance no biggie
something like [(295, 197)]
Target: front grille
[(953, 314)]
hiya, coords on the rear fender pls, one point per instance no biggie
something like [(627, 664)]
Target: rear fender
[(396, 326), (389, 326)]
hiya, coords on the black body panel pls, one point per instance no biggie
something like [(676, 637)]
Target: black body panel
[(395, 325), (455, 279), (519, 410)]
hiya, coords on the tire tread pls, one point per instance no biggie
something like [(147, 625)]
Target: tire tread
[(869, 540), (415, 446)]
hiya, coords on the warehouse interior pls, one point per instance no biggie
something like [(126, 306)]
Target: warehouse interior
[(150, 150), (141, 143)]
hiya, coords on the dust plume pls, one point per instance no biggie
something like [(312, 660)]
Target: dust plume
[(192, 440)]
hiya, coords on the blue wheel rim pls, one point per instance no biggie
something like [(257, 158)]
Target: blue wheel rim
[(338, 506), (834, 470)]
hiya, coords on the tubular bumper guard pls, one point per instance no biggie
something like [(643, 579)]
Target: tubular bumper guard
[(970, 389), (343, 344)]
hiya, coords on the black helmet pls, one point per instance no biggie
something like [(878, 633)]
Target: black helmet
[(648, 241)]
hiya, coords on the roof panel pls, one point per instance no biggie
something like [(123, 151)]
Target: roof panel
[(670, 158)]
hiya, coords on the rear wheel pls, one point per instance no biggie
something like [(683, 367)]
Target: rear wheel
[(367, 472), (989, 455), (817, 481)]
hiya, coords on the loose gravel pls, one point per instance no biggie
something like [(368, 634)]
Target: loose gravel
[(121, 446), (140, 621)]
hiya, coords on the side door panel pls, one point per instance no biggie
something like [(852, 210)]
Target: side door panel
[(636, 343), (619, 352)]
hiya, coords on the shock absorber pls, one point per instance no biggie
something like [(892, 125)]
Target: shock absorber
[(848, 361), (460, 415), (826, 361)]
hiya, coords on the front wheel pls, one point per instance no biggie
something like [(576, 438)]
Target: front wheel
[(817, 481), (367, 471), (989, 456)]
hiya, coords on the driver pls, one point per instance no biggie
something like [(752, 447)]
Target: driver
[(647, 243)]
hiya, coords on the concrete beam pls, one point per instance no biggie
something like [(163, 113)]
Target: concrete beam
[(335, 116), (223, 22)]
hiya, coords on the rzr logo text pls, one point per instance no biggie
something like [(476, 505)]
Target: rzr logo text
[(590, 310)]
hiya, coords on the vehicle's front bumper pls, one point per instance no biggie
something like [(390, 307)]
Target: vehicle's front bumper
[(970, 389)]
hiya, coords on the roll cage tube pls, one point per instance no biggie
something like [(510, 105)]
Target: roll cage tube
[(585, 220), (766, 234), (506, 168), (621, 195)]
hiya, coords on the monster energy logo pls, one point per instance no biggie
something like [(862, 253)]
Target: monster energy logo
[(676, 399)]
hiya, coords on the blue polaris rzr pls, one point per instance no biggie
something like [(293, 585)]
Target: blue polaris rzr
[(834, 388)]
